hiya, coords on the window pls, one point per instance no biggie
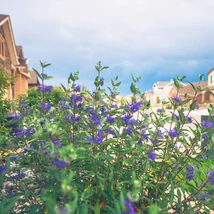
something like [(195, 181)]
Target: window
[(211, 79), (2, 47)]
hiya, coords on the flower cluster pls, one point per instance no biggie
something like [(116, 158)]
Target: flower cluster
[(45, 88), (190, 172)]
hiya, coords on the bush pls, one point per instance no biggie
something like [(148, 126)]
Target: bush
[(90, 155)]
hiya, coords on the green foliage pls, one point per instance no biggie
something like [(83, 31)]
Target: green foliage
[(80, 152), (5, 105)]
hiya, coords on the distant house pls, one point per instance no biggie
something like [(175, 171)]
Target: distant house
[(159, 92), (12, 58), (165, 90), (34, 81)]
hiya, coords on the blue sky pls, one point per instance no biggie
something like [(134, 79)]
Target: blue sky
[(155, 39)]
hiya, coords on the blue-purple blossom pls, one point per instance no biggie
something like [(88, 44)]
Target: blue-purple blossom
[(203, 156), (59, 164), (77, 88), (152, 155), (129, 207), (160, 110), (190, 172), (129, 130), (177, 117), (211, 176), (126, 118), (140, 142), (26, 132), (206, 124), (14, 158), (205, 136), (196, 105), (188, 118), (2, 169), (172, 133), (57, 143), (145, 135), (16, 175), (45, 88), (177, 99), (17, 117), (110, 131), (101, 81), (198, 166), (134, 106), (95, 119), (110, 119), (45, 106)]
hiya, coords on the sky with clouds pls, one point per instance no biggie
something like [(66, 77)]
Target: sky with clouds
[(155, 39)]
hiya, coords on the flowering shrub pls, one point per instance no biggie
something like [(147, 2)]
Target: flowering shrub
[(89, 154)]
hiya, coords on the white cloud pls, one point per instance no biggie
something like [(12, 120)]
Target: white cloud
[(139, 35)]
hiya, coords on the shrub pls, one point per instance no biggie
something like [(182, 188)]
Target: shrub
[(90, 155)]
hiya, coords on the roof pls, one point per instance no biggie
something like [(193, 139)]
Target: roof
[(159, 84), (19, 51), (34, 79), (150, 91), (187, 89), (2, 17), (210, 71)]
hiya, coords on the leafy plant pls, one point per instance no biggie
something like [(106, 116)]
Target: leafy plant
[(87, 154)]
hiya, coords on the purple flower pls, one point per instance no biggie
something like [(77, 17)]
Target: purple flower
[(211, 176), (140, 142), (198, 166), (160, 110), (26, 132), (45, 106), (110, 131), (196, 105), (172, 133), (14, 158), (101, 81), (77, 88), (189, 119), (177, 117), (203, 156), (59, 164), (177, 99), (190, 172), (44, 88), (206, 124), (57, 143), (126, 118), (152, 155), (205, 136), (129, 131), (134, 106), (2, 169), (95, 119), (145, 135), (129, 207), (110, 119), (17, 117)]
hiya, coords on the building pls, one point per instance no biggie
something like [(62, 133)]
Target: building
[(165, 90), (12, 59), (34, 81), (159, 92)]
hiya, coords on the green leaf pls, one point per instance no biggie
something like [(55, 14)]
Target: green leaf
[(171, 198), (201, 77), (48, 78), (154, 209), (192, 85), (38, 74), (133, 88), (177, 84), (64, 89), (193, 105)]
